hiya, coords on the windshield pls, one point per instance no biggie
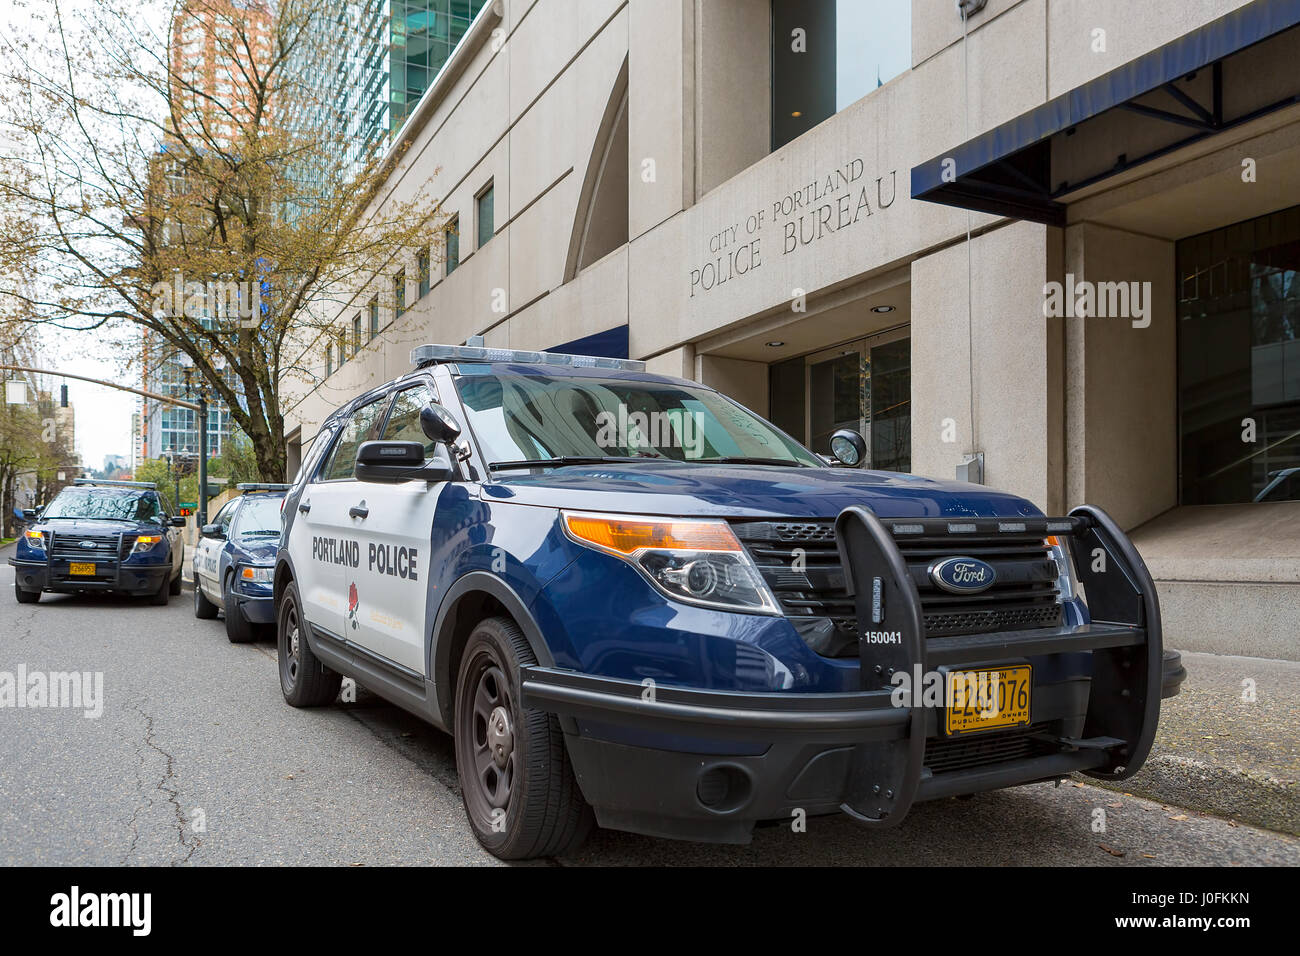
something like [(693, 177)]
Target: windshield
[(260, 515), (521, 418), (114, 504)]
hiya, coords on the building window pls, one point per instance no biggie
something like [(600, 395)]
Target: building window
[(374, 317), (399, 294), (422, 267), (329, 360), (356, 333), (343, 348), (827, 54), (483, 203), (452, 238), (1239, 362)]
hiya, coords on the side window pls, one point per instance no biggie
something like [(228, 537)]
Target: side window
[(226, 514), (359, 427), (316, 452), (404, 421)]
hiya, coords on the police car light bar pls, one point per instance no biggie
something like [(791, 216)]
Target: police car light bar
[(114, 484), (430, 354), (256, 486)]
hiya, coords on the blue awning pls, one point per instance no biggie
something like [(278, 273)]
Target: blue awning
[(1021, 168)]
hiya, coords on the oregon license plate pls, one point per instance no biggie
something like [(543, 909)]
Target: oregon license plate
[(82, 567), (988, 698)]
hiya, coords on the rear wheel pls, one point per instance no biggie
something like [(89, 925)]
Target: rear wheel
[(238, 628), (175, 587), (203, 608), (304, 680), (24, 596), (516, 781)]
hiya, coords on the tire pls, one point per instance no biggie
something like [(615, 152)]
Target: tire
[(304, 680), (174, 588), (238, 628), (24, 596), (159, 597), (203, 608), (527, 786)]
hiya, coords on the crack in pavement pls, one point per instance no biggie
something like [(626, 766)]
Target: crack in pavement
[(173, 793)]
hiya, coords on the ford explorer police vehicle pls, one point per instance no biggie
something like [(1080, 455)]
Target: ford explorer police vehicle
[(632, 601), (101, 536), (235, 560)]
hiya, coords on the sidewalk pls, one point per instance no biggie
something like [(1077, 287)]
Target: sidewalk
[(1222, 754)]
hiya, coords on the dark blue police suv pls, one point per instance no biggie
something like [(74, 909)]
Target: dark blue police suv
[(235, 560), (635, 603), (101, 536)]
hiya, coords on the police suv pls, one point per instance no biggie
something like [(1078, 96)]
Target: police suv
[(101, 536), (633, 602), (235, 560)]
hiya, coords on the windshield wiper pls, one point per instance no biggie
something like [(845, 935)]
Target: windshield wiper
[(249, 534), (740, 460), (570, 460)]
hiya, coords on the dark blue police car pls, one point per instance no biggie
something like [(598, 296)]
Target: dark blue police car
[(235, 561), (632, 601), (101, 536)]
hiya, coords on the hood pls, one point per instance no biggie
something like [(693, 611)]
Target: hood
[(97, 526), (259, 550), (758, 491)]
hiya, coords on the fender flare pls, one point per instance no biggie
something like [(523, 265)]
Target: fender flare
[(438, 652)]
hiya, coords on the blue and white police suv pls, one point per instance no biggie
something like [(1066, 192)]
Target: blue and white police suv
[(235, 561), (633, 602)]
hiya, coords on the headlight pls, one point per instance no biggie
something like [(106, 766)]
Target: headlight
[(257, 575), (689, 559), (35, 539), (146, 542), (1066, 582)]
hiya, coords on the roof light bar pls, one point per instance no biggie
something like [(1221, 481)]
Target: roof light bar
[(114, 484), (431, 354), (257, 486)]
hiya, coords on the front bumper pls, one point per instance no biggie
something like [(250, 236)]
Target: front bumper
[(707, 765), (135, 580)]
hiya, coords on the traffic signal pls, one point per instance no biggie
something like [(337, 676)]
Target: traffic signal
[(63, 396)]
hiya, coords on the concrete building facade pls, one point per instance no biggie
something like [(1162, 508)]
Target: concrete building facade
[(1029, 247)]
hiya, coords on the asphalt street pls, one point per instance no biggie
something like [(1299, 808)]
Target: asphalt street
[(196, 759)]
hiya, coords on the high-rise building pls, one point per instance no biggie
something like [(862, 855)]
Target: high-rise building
[(369, 62)]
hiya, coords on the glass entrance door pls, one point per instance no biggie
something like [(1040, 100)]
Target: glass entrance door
[(864, 385)]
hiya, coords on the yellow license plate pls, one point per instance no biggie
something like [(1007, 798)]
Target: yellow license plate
[(988, 698), (81, 567)]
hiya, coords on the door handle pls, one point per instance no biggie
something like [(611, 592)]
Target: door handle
[(304, 507), (359, 511)]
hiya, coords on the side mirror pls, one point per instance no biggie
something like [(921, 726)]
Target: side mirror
[(438, 424), (392, 461), (212, 531), (178, 521), (31, 513), (848, 447)]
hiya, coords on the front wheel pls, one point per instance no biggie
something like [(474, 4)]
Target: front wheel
[(175, 587), (24, 596), (304, 680), (238, 628), (516, 781), (159, 597)]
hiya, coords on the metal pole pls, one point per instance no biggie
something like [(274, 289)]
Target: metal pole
[(203, 459)]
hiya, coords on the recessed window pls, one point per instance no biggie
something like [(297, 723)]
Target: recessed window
[(399, 294), (374, 317), (827, 54), (343, 348), (452, 239), (422, 265), (486, 221), (356, 333), (329, 360)]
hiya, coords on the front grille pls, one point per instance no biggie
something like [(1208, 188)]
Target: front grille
[(948, 754), (107, 552), (801, 564)]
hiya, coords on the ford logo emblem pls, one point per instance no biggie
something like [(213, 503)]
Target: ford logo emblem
[(963, 575), (88, 545)]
